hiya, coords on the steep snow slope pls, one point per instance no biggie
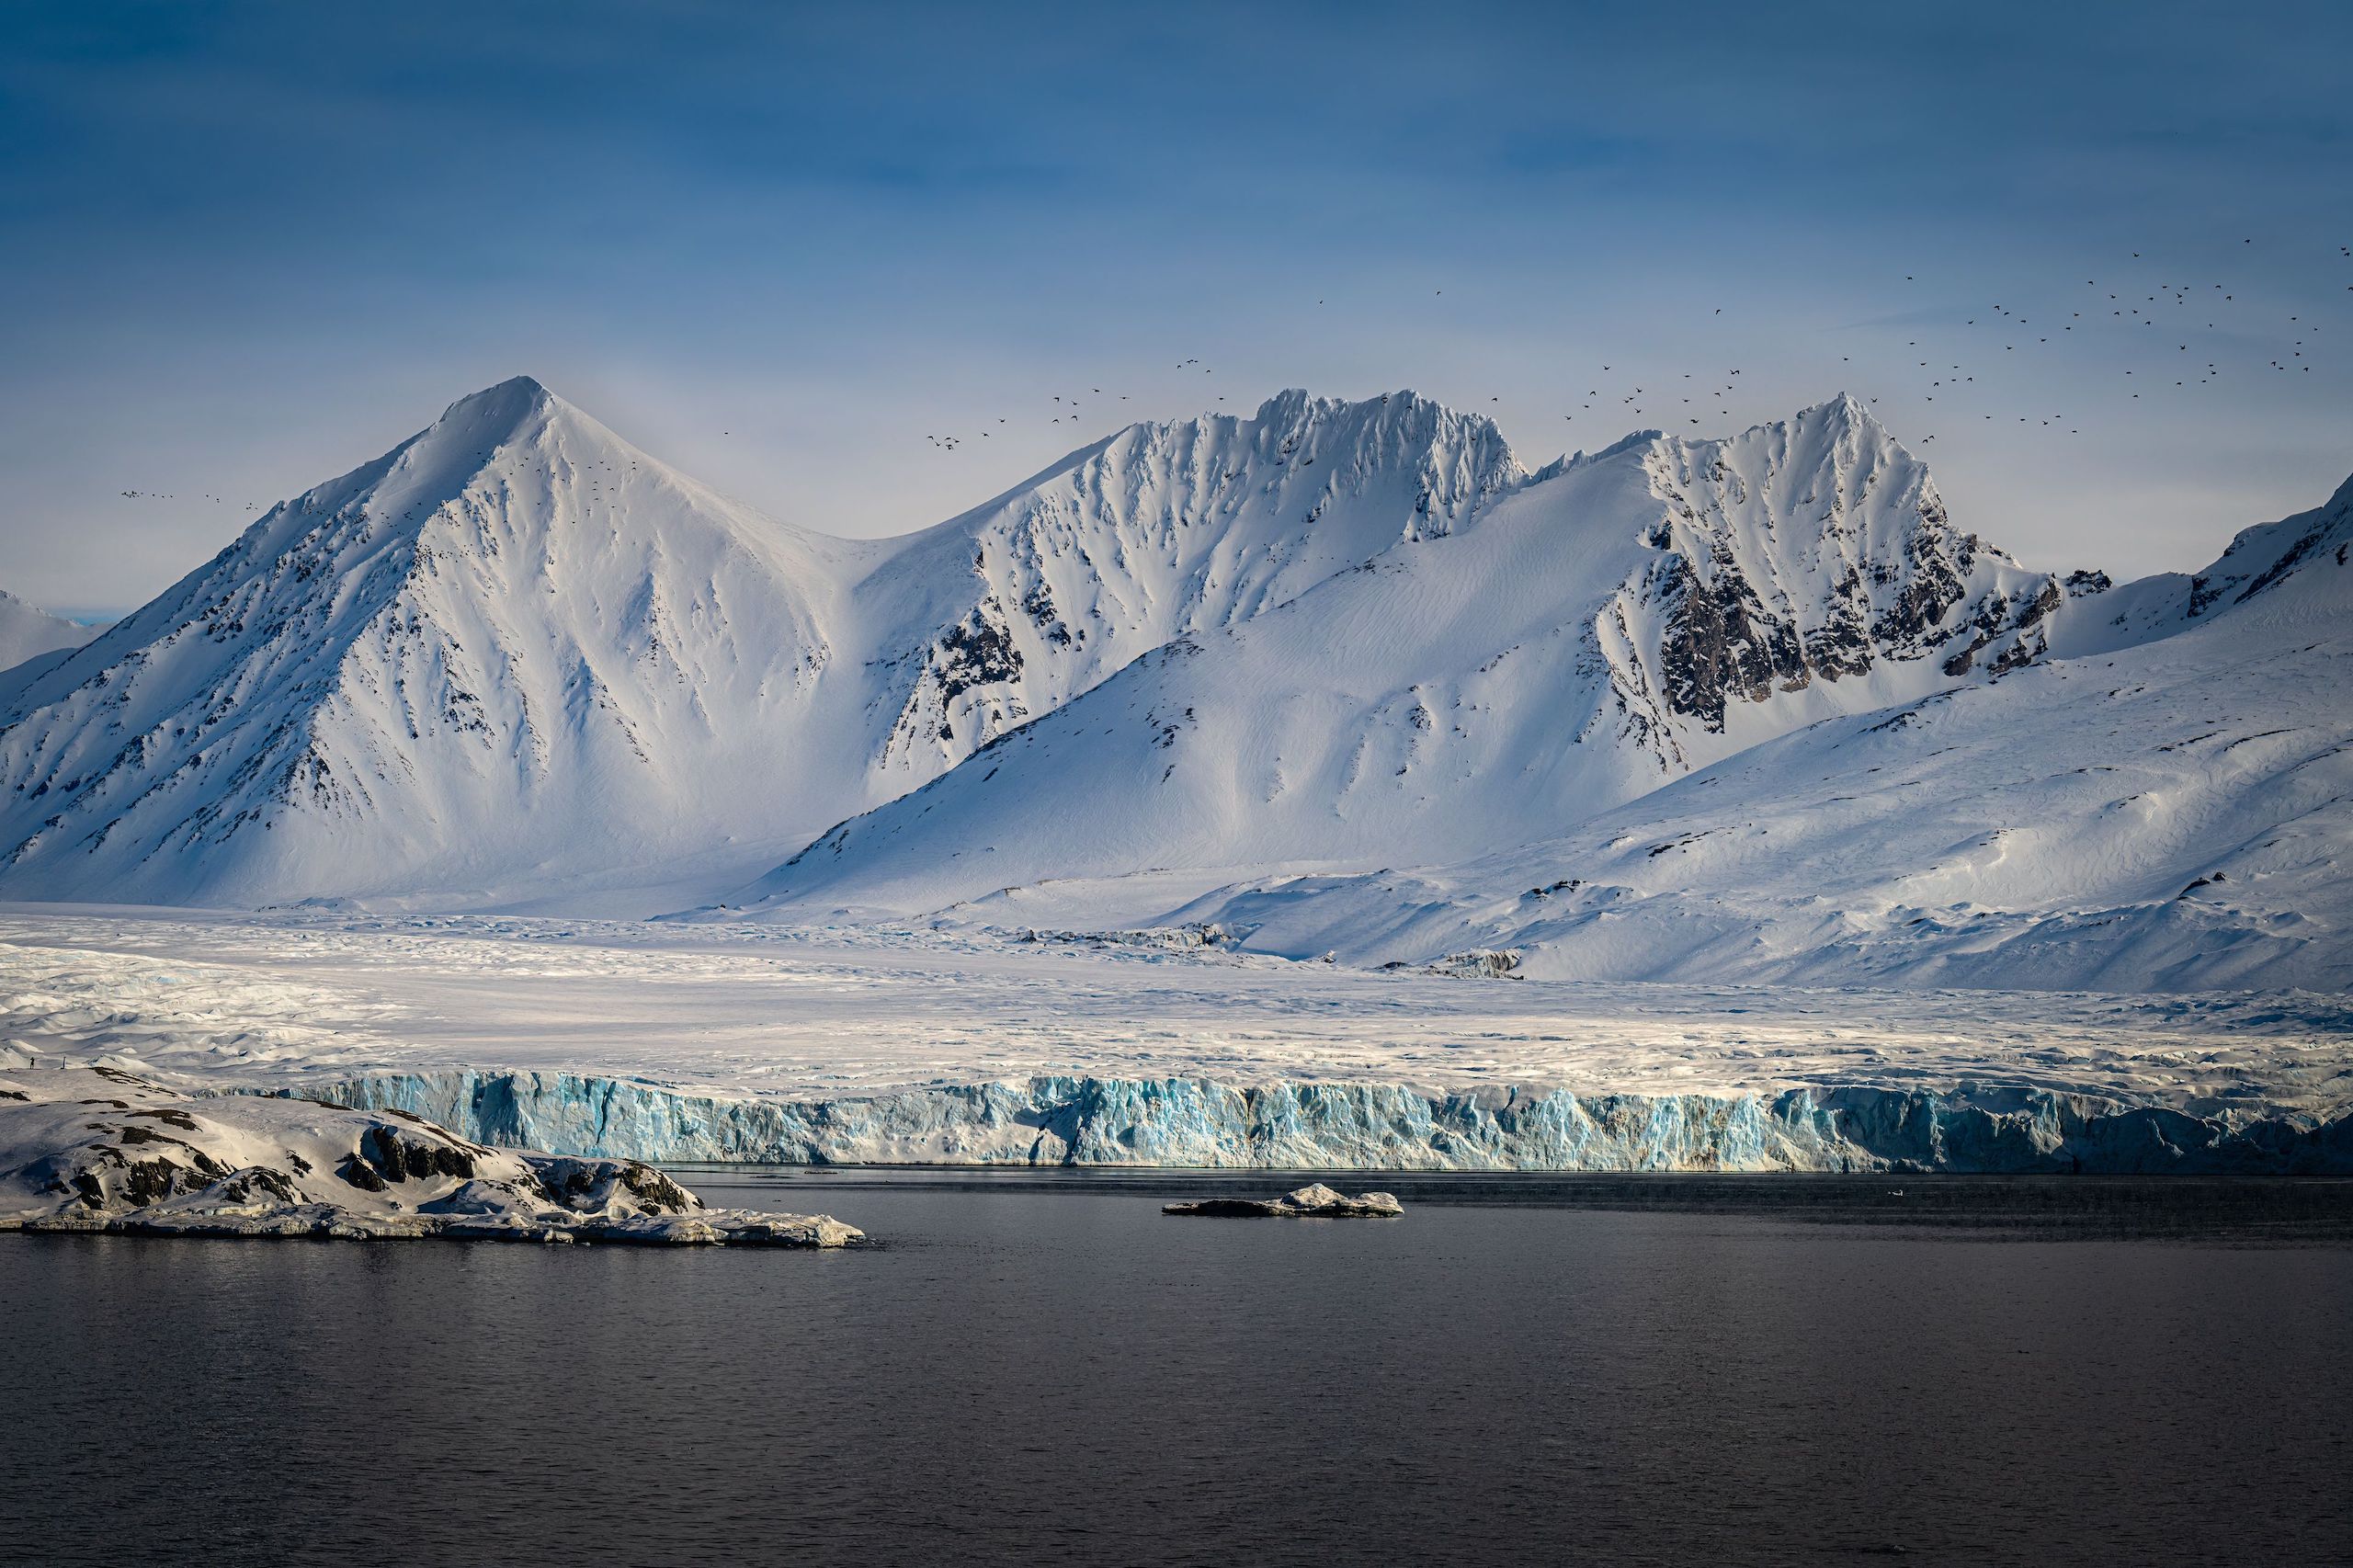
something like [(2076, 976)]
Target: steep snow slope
[(26, 632), (1596, 632), (2174, 814), (512, 650)]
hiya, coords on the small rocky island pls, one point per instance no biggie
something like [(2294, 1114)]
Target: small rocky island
[(1316, 1202), (97, 1148)]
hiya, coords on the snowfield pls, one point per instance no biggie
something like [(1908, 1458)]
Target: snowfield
[(753, 1041)]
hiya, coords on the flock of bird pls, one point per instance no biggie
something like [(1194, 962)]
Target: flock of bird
[(160, 495), (1998, 344), (2182, 308)]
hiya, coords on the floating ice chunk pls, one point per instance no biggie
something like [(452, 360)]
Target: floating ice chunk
[(1314, 1202)]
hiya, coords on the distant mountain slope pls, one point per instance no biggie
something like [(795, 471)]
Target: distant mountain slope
[(1598, 631), (26, 632)]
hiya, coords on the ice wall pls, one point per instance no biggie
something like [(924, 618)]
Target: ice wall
[(1352, 1126)]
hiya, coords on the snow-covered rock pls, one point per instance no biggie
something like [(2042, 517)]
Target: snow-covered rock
[(511, 651), (1314, 1201), (1161, 531), (99, 1149), (2172, 814)]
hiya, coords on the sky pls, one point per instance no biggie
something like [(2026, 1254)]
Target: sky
[(248, 247)]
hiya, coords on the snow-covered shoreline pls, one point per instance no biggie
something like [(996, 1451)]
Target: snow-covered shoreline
[(99, 1149)]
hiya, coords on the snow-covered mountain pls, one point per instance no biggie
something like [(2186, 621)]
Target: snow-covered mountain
[(1590, 635), (2174, 813), (28, 632), (516, 657), (2162, 800), (514, 649), (1005, 613), (1335, 677)]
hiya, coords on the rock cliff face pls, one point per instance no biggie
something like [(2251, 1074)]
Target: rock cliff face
[(1816, 550)]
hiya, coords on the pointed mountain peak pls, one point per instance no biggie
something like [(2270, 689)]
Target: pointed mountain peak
[(513, 427), (1842, 432), (1845, 408), (1286, 404), (497, 413), (1843, 415)]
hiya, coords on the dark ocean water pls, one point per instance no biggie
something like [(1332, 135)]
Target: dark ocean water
[(1045, 1369)]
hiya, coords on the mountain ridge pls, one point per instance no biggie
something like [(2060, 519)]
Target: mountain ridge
[(1231, 670), (514, 625), (1603, 627)]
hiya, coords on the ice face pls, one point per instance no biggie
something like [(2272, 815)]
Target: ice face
[(1351, 1126)]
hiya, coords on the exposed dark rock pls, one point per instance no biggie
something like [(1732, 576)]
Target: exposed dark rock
[(977, 651), (359, 1174), (1720, 642)]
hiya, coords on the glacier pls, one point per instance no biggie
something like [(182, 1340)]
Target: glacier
[(1306, 1125), (760, 1043)]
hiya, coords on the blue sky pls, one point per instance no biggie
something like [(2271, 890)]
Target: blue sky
[(248, 247)]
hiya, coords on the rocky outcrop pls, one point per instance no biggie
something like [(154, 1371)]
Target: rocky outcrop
[(1816, 551), (1162, 531), (101, 1149)]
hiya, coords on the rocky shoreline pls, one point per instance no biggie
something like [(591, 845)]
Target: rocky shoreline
[(100, 1150)]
